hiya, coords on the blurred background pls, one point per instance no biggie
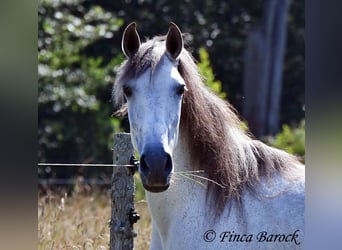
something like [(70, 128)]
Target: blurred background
[(238, 44)]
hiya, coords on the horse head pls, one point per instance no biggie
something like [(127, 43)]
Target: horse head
[(154, 100)]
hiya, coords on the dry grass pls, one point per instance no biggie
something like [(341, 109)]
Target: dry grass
[(80, 221)]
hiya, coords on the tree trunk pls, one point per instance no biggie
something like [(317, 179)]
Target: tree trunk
[(263, 70)]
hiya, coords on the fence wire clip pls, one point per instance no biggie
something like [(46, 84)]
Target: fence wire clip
[(135, 164), (133, 216)]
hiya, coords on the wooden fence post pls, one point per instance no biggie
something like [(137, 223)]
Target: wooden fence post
[(121, 224)]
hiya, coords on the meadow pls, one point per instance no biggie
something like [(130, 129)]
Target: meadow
[(79, 219)]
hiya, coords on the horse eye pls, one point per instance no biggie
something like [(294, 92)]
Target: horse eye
[(181, 89), (127, 91)]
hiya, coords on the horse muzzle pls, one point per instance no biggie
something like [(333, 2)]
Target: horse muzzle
[(155, 168)]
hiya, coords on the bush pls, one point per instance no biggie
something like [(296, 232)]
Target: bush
[(74, 86), (292, 140), (207, 73)]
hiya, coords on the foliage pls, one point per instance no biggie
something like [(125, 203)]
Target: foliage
[(74, 87), (207, 73), (292, 140)]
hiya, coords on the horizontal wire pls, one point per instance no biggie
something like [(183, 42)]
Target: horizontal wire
[(83, 165)]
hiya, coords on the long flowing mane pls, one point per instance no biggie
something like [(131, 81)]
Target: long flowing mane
[(216, 139)]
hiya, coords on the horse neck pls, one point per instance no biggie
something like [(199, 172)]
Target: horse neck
[(181, 154), (179, 198)]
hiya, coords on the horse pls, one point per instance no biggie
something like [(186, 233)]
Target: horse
[(209, 183)]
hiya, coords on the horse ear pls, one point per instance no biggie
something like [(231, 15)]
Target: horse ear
[(174, 41), (130, 40)]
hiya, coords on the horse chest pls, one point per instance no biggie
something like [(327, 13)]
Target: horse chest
[(181, 221), (180, 207)]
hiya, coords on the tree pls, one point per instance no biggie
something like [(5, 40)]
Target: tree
[(263, 70)]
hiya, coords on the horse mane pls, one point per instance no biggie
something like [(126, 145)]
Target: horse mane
[(217, 142)]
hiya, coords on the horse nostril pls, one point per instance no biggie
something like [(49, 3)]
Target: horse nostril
[(155, 166), (168, 165), (143, 166)]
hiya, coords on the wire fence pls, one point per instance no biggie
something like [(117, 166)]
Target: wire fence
[(123, 215), (82, 165)]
